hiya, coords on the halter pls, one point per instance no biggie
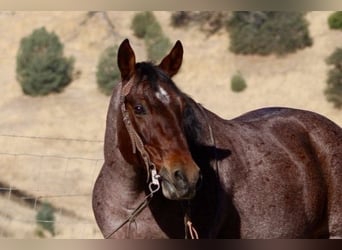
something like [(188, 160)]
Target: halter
[(136, 141), (154, 185), (137, 144)]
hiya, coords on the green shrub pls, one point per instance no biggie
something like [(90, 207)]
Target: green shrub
[(157, 48), (181, 18), (153, 31), (333, 91), (238, 83), (209, 22), (45, 219), (107, 74), (141, 22), (266, 32), (335, 20), (41, 67), (146, 26)]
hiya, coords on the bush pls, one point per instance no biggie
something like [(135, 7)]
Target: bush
[(41, 67), (333, 91), (107, 74), (157, 48), (335, 20), (45, 219), (146, 26), (180, 18), (209, 22), (141, 22), (153, 32), (238, 83), (266, 32)]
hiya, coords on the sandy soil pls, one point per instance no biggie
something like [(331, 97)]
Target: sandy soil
[(63, 171)]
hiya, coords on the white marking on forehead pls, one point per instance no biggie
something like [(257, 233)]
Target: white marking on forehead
[(163, 96)]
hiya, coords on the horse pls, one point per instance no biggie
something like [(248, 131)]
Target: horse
[(174, 169)]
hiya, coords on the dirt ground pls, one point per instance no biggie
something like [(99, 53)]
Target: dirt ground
[(51, 147)]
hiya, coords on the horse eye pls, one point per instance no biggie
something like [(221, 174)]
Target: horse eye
[(139, 109)]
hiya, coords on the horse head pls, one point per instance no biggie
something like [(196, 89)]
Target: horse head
[(150, 126)]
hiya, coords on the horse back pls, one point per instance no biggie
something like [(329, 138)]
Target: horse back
[(288, 165)]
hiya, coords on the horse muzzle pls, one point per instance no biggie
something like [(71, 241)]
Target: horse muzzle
[(178, 184)]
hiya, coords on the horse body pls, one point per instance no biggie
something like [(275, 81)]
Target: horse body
[(283, 173), (271, 173)]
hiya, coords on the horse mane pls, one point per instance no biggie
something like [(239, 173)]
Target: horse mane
[(191, 123)]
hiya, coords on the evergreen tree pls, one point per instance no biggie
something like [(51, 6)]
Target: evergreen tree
[(41, 67), (266, 32), (107, 74)]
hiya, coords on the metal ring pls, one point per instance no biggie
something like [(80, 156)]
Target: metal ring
[(153, 190)]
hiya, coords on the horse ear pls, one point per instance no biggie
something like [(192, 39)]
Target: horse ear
[(173, 61), (126, 60)]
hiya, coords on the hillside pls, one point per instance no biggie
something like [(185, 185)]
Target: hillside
[(51, 147)]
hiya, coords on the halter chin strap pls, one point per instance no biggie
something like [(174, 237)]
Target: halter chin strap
[(137, 143)]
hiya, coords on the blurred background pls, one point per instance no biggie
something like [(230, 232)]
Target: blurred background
[(58, 69)]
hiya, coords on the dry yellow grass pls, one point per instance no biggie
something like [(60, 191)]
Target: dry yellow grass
[(55, 170)]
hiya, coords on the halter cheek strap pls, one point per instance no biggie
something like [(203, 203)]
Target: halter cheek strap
[(137, 144), (136, 141)]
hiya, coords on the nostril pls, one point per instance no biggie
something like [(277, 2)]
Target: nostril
[(178, 175)]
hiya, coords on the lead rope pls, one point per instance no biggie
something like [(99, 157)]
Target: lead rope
[(131, 218), (189, 228)]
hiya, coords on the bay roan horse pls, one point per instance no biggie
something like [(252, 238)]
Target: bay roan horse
[(173, 168)]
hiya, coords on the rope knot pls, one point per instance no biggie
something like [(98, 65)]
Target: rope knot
[(191, 229)]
